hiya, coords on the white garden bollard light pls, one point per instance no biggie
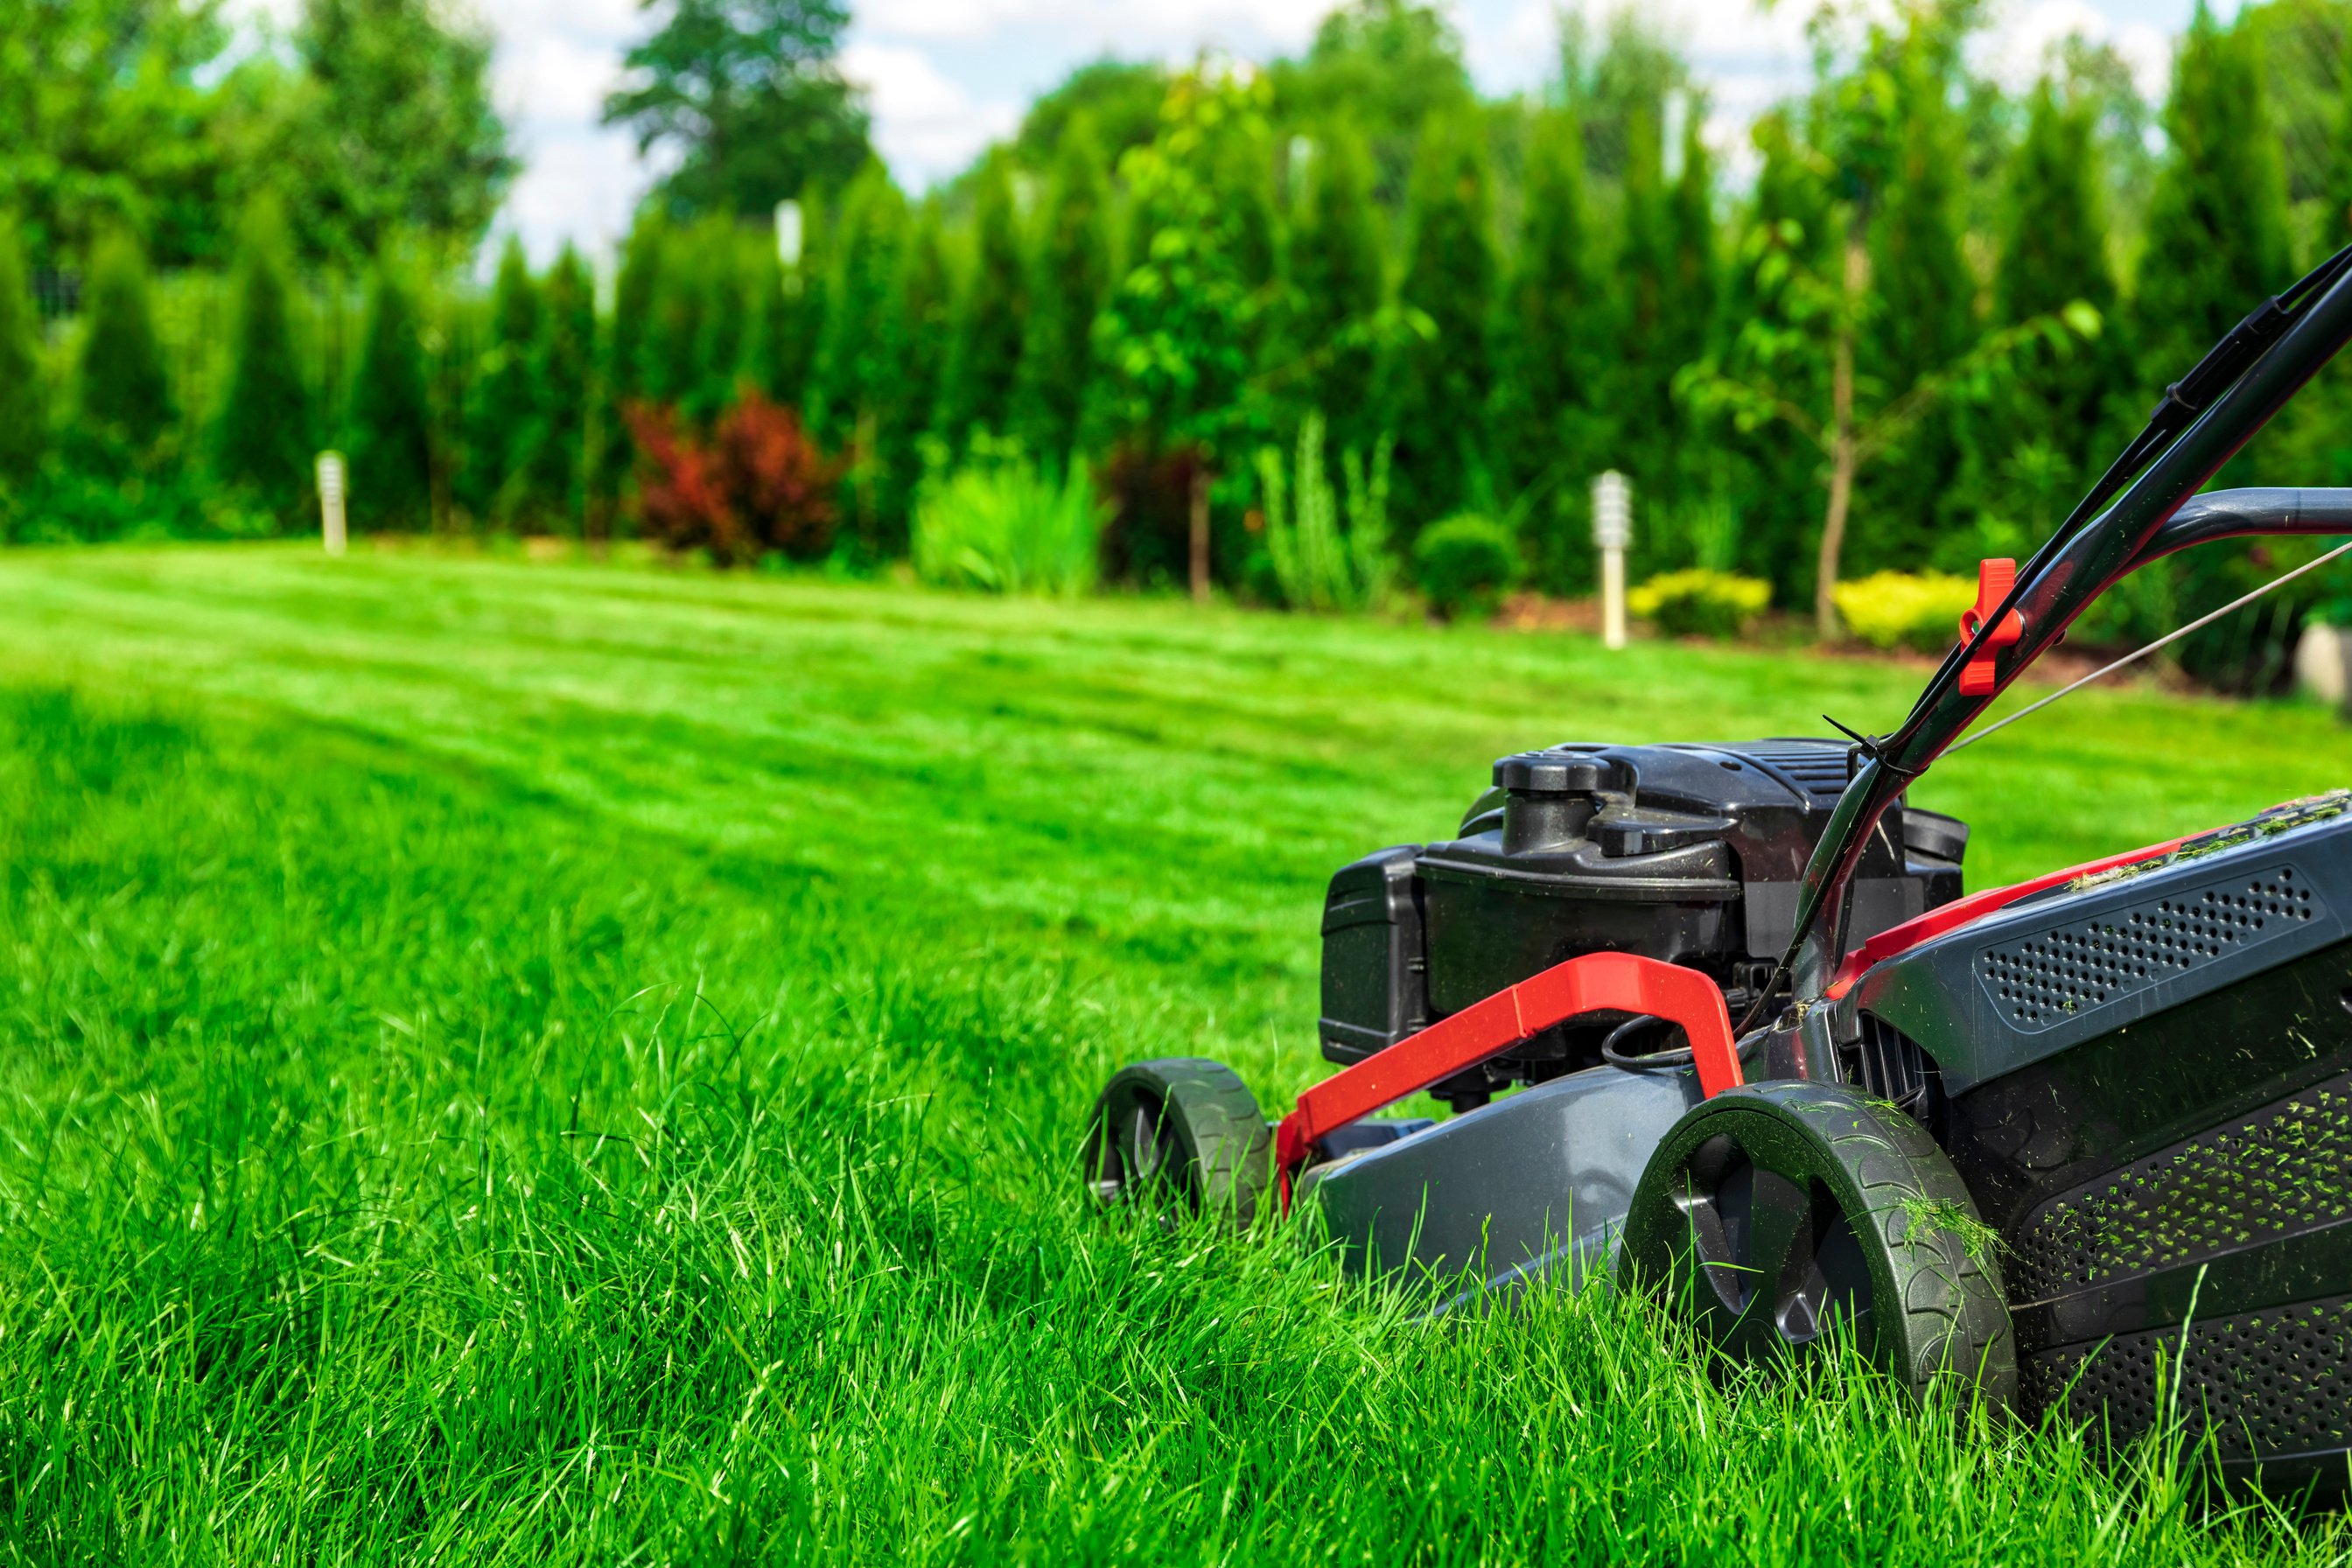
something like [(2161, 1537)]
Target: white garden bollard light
[(1613, 531), (331, 501), (788, 233)]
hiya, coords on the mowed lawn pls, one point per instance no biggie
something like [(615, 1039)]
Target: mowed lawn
[(508, 1063)]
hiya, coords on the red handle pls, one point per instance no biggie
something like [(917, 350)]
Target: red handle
[(1596, 983)]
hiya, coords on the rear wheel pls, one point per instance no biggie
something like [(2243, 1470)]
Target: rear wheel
[(1779, 1215), (1181, 1131)]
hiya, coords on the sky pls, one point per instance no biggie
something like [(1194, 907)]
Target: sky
[(945, 77)]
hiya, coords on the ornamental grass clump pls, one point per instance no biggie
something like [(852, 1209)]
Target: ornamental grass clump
[(1700, 603), (1004, 524), (1905, 609), (1318, 566)]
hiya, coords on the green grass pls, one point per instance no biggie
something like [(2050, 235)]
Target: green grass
[(512, 1064)]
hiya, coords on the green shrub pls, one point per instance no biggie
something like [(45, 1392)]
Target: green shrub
[(1700, 603), (1004, 524), (1904, 609), (1465, 563), (1316, 565)]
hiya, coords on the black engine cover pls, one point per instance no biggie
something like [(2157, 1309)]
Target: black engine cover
[(1689, 853)]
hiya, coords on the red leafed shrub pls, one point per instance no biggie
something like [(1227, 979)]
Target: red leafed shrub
[(781, 483), (758, 484)]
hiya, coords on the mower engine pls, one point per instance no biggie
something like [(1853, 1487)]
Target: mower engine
[(1690, 854)]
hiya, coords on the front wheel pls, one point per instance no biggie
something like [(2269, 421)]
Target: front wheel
[(1180, 1131), (1775, 1213)]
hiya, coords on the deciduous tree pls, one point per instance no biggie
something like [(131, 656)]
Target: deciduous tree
[(746, 95)]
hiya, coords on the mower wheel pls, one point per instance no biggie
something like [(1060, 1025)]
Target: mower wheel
[(1179, 1131), (1771, 1213)]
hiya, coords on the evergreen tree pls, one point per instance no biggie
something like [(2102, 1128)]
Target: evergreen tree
[(1440, 375), (800, 322), (559, 459), (768, 318), (624, 363), (927, 298), (1068, 281), (1680, 475), (2038, 447), (1792, 234), (1925, 318), (1548, 402), (2217, 229), (2217, 244), (722, 338), (389, 444), (990, 314), (506, 404), (1390, 66), (673, 357), (634, 292), (1695, 284), (1336, 284), (1642, 402), (24, 407), (2336, 226), (853, 401), (261, 432), (123, 395)]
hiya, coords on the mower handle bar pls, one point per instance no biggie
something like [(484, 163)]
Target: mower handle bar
[(2158, 514)]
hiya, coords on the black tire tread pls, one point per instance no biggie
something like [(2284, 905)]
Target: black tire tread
[(1219, 1124), (1954, 1313)]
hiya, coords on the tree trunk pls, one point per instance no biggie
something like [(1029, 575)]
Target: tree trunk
[(1842, 451), (1199, 531)]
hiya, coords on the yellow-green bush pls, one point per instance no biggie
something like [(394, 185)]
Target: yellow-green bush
[(1700, 603), (1906, 609)]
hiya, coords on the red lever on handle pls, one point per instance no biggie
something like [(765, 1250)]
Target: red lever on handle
[(1994, 579)]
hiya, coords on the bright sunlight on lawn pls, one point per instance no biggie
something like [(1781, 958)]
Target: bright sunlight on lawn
[(535, 1063)]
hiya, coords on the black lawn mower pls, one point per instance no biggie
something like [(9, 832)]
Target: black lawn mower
[(1776, 1066)]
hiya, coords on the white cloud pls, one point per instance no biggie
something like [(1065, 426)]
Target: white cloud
[(555, 79), (924, 123), (1074, 29), (2021, 47)]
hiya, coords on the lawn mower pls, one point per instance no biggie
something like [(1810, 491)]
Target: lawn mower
[(1717, 1020)]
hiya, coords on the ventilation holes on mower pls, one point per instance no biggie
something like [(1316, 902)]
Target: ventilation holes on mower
[(2268, 1382), (2057, 973), (2280, 1172)]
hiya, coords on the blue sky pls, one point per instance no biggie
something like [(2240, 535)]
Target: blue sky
[(945, 75)]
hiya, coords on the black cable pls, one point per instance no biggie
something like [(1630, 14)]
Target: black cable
[(1648, 1062)]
